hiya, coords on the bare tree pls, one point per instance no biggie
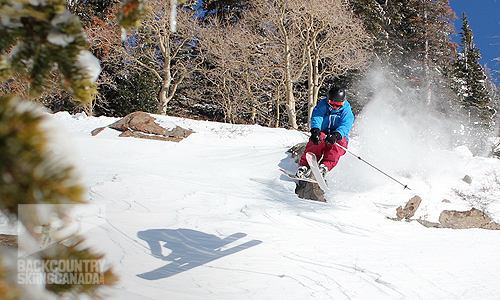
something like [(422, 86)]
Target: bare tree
[(237, 70), (105, 40), (334, 43), (154, 47), (281, 29), (304, 40)]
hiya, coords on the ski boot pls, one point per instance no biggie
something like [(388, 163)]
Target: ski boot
[(303, 172), (323, 169)]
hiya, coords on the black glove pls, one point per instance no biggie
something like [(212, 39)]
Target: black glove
[(315, 134), (332, 138)]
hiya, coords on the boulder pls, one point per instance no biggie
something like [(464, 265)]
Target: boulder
[(473, 218), (297, 151), (138, 134), (142, 125), (467, 179), (97, 131), (310, 191), (409, 210), (9, 241), (139, 121)]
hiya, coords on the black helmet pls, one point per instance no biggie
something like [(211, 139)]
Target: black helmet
[(336, 94)]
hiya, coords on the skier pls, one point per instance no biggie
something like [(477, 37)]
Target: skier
[(331, 122)]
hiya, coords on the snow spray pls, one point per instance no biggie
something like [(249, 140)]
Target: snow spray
[(405, 186)]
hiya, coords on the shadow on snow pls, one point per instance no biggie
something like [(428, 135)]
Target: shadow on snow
[(190, 249)]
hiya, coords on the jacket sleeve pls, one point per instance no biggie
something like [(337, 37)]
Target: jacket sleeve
[(318, 114), (346, 123)]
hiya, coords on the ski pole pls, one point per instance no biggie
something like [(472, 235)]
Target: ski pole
[(358, 157)]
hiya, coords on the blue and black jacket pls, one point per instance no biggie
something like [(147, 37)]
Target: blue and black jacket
[(328, 120)]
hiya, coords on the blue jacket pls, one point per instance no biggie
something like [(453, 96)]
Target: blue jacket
[(329, 120)]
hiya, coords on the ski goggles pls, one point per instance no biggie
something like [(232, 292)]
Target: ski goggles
[(335, 104)]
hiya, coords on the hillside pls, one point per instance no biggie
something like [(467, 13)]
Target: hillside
[(212, 217)]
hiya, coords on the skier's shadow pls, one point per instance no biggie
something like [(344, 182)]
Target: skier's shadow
[(190, 249)]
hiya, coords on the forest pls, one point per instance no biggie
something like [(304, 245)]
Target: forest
[(268, 63)]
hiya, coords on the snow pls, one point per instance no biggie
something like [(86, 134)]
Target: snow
[(224, 223), (89, 63), (59, 39), (61, 18)]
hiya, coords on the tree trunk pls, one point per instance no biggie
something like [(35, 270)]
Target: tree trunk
[(163, 98), (165, 87), (313, 79), (310, 92), (426, 63), (278, 112), (290, 104), (317, 83), (290, 99)]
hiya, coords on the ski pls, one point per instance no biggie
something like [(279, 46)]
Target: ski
[(293, 176), (313, 164)]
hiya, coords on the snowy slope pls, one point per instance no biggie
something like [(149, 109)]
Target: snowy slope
[(223, 223)]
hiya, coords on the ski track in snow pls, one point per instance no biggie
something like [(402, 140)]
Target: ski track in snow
[(212, 217)]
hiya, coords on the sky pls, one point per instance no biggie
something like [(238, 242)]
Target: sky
[(484, 20)]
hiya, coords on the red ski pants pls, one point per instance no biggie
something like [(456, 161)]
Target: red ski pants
[(326, 154)]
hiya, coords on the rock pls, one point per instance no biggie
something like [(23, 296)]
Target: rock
[(429, 224), (9, 241), (473, 218), (138, 134), (179, 132), (142, 125), (297, 151), (97, 131), (409, 210), (310, 191), (139, 121), (467, 179), (492, 226)]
